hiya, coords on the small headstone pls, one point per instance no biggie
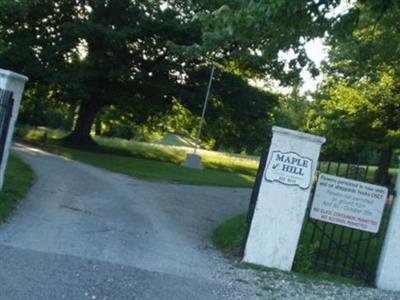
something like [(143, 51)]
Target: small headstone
[(193, 161)]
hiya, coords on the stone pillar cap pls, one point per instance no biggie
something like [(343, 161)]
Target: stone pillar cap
[(300, 135), (13, 75)]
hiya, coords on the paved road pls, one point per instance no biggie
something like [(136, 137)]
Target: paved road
[(85, 233)]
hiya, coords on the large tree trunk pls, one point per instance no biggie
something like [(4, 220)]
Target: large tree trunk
[(86, 116), (382, 174)]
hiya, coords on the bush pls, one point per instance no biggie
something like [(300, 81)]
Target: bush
[(305, 257)]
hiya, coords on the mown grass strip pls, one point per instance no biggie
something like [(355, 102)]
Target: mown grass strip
[(19, 178), (230, 236), (153, 170), (150, 161)]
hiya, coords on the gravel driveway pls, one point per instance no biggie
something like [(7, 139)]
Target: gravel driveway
[(85, 233)]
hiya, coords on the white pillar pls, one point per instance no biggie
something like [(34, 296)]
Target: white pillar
[(15, 83), (283, 197), (388, 273)]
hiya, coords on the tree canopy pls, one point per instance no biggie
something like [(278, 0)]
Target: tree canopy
[(360, 101), (100, 53), (138, 61), (250, 36)]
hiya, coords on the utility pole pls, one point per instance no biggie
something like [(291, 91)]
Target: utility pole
[(204, 109)]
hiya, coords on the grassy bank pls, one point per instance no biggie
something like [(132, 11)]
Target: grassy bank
[(230, 236), (19, 178), (168, 152), (151, 169), (150, 161)]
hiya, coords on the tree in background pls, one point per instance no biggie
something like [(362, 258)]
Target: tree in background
[(93, 54), (240, 116), (248, 37), (359, 104), (360, 114), (292, 110), (123, 122)]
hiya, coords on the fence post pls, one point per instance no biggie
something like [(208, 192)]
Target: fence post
[(16, 84), (388, 272)]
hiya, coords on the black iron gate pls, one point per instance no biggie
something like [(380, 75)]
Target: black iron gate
[(6, 106), (326, 247)]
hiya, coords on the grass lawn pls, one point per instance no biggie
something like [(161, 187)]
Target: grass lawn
[(19, 178), (230, 236), (172, 151), (151, 161), (175, 140), (153, 170)]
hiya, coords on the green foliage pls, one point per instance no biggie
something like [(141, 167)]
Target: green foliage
[(46, 112), (179, 119), (239, 117), (248, 36), (19, 177), (292, 111), (113, 58), (366, 40), (357, 107), (38, 134), (305, 257), (138, 67), (97, 54), (353, 115), (117, 122)]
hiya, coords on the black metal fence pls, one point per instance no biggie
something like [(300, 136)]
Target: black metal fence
[(326, 247), (6, 106)]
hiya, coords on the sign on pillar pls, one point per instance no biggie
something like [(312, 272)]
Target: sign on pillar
[(283, 197), (388, 275), (15, 83)]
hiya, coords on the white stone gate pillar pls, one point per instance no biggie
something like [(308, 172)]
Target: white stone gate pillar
[(282, 199), (388, 273), (15, 83)]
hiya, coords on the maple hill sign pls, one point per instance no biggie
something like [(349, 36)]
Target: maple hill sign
[(289, 168), (281, 198)]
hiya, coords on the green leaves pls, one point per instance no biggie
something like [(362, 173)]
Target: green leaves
[(252, 34), (359, 103), (358, 113)]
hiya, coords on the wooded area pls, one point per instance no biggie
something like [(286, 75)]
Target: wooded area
[(132, 68)]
